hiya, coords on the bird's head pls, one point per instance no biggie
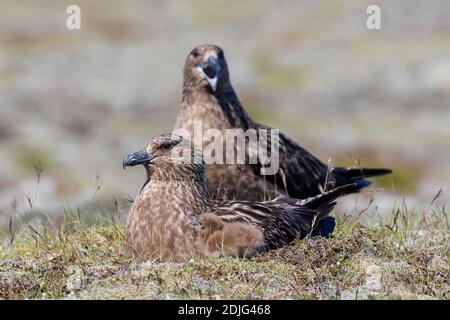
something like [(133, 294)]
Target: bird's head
[(166, 151), (206, 66), (206, 224)]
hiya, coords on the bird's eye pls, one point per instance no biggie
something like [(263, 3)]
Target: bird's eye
[(195, 54), (165, 145), (220, 54)]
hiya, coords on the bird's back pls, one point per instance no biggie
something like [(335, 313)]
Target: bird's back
[(280, 224)]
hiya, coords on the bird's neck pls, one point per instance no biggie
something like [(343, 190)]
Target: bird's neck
[(219, 110), (179, 193)]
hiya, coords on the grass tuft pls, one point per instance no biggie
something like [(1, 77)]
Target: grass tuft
[(405, 257)]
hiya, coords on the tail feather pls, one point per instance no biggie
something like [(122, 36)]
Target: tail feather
[(356, 174), (324, 228), (362, 183), (323, 211), (321, 205), (327, 197)]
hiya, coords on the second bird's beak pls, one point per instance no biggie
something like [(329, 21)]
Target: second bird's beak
[(210, 70), (136, 158)]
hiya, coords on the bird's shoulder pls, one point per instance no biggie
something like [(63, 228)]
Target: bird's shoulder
[(296, 164)]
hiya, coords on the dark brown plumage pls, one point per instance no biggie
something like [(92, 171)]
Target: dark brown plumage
[(159, 222), (208, 96)]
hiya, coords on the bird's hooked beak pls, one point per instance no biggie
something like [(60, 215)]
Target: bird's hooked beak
[(136, 158), (210, 71)]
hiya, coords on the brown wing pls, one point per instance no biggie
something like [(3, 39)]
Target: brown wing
[(300, 174), (280, 222)]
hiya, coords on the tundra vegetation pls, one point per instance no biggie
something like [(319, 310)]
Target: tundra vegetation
[(404, 256)]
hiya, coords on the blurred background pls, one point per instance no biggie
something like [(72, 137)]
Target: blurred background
[(74, 102)]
